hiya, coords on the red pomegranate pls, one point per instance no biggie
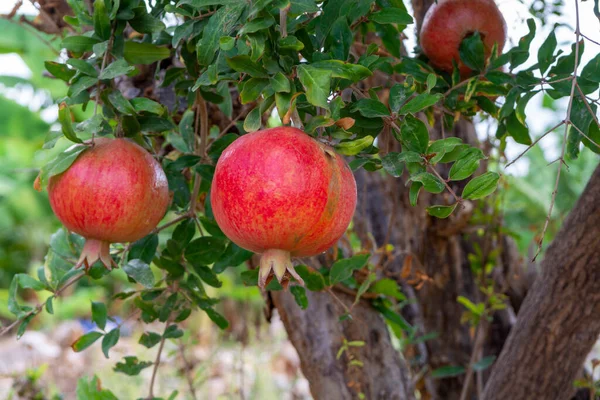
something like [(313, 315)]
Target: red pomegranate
[(281, 193), (448, 22), (114, 192)]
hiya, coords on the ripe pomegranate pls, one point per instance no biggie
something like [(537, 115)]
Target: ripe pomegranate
[(114, 192), (448, 22), (283, 194)]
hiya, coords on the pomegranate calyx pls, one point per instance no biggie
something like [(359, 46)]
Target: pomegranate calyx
[(95, 250), (278, 263)]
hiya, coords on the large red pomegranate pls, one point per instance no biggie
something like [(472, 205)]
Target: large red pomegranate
[(114, 192), (448, 22), (281, 193)]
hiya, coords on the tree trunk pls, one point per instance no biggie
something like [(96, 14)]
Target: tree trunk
[(558, 322), (318, 335)]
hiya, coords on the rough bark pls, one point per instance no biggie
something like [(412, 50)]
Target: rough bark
[(318, 334), (558, 322)]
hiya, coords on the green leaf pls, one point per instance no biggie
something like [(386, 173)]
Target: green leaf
[(83, 66), (101, 20), (121, 103), (413, 194), (144, 22), (517, 130), (484, 363), (144, 249), (441, 147), (86, 341), (441, 211), (204, 250), (252, 122), (280, 83), (290, 43), (421, 102), (173, 332), (299, 294), (132, 366), (392, 16), (207, 275), (144, 53), (203, 3), (316, 82), (60, 71), (49, 305), (81, 84), (226, 43), (431, 81), (388, 287), (110, 340), (546, 52), (61, 163), (591, 71), (149, 339), (232, 257), (99, 314), (430, 182), (142, 104), (466, 164), (414, 134), (246, 65), (342, 269), (447, 372), (79, 44), (482, 186), (471, 52), (353, 147), (116, 68), (344, 70), (216, 318), (140, 272), (594, 135), (370, 108), (399, 93), (394, 162), (27, 282), (220, 24), (313, 280), (252, 90)]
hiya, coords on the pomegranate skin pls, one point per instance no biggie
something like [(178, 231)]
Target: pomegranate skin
[(114, 192), (279, 192), (448, 22)]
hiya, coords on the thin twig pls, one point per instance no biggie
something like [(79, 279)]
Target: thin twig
[(283, 20), (200, 127), (452, 192), (157, 360), (567, 123), (104, 62), (188, 370), (590, 39), (171, 223), (585, 136), (534, 143), (232, 123), (479, 339), (583, 97)]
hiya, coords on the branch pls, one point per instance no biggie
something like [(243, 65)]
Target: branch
[(567, 123), (534, 143), (157, 360), (479, 340)]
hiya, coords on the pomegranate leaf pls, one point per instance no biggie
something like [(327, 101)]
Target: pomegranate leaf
[(546, 52), (392, 15), (92, 390), (314, 281), (173, 332), (466, 164), (99, 313), (110, 340), (217, 318), (140, 272), (144, 249), (342, 269), (316, 82), (144, 53), (219, 24), (471, 52), (132, 366), (414, 134), (299, 294), (86, 341), (441, 211), (232, 257), (482, 186), (447, 371), (205, 250)]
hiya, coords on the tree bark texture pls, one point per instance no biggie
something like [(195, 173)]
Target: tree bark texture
[(318, 335), (558, 322)]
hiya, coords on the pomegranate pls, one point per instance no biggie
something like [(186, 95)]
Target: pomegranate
[(114, 192), (448, 22), (283, 194)]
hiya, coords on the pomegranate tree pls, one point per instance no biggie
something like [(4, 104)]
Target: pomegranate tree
[(448, 22), (114, 192), (280, 193)]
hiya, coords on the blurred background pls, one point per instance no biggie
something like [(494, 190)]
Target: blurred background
[(252, 358)]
